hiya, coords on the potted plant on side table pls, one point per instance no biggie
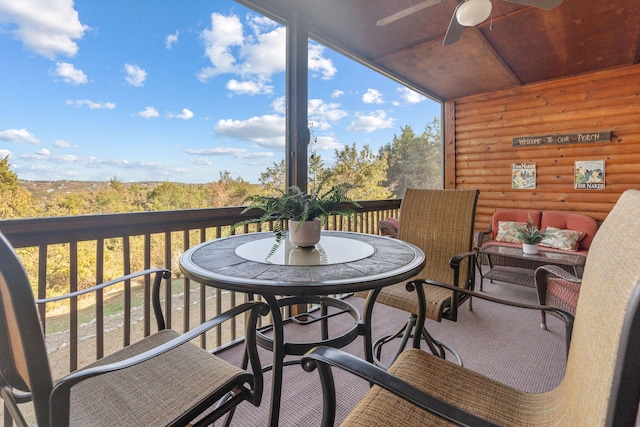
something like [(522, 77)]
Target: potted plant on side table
[(530, 236), (304, 213)]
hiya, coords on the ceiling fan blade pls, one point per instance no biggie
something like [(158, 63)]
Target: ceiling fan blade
[(406, 12), (541, 4), (454, 31)]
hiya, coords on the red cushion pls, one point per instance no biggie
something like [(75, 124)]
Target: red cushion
[(571, 221), (393, 221), (517, 215)]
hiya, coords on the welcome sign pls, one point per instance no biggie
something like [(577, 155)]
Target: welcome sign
[(568, 138)]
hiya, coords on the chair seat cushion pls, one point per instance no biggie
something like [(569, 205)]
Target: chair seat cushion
[(148, 393), (449, 382), (398, 297)]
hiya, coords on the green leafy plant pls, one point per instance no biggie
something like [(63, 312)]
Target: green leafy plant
[(299, 206), (530, 234)]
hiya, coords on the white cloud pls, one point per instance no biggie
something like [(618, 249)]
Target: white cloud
[(410, 96), (48, 28), (135, 75), (59, 143), (320, 110), (171, 40), (238, 153), (266, 131), (4, 153), (70, 74), (337, 93), (370, 122), (249, 87), (325, 143), (185, 115), (255, 57), (94, 105), (200, 161), (317, 62), (279, 105), (19, 135), (372, 96), (225, 33), (148, 113)]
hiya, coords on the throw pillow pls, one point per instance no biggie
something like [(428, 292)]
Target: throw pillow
[(561, 239), (508, 231)]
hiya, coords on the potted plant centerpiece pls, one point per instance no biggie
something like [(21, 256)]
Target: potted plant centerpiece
[(530, 236), (304, 213)]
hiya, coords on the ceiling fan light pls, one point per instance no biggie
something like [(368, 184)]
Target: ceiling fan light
[(472, 12)]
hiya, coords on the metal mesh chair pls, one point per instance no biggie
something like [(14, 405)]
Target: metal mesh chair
[(160, 380), (601, 385), (440, 222)]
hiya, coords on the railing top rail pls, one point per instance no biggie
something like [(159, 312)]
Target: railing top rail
[(25, 232)]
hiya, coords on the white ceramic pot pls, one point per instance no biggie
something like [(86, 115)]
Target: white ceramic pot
[(529, 249), (306, 234)]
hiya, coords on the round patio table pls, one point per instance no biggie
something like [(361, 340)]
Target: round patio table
[(341, 262)]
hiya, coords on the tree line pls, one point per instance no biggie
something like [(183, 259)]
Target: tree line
[(409, 160)]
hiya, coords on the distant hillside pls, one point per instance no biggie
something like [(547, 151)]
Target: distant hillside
[(42, 190)]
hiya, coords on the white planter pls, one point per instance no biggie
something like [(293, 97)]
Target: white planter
[(306, 234), (529, 249)]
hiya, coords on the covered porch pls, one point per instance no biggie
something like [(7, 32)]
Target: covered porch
[(522, 78)]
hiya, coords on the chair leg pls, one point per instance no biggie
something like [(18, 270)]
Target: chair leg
[(436, 347), (543, 325), (404, 333)]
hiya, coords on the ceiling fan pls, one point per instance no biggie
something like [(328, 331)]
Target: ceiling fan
[(468, 13)]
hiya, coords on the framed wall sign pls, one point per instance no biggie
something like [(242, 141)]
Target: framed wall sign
[(523, 176), (589, 175)]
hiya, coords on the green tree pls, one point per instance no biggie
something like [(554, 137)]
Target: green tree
[(15, 201), (273, 178), (415, 161), (363, 169), (234, 191), (172, 195), (317, 171)]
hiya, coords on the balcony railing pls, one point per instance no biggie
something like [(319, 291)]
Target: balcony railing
[(116, 245)]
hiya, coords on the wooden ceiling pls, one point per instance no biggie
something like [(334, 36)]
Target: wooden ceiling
[(517, 45)]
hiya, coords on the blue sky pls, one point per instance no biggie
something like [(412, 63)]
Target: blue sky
[(171, 90)]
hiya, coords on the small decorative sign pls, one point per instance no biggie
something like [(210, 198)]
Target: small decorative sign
[(523, 176), (589, 175), (569, 138)]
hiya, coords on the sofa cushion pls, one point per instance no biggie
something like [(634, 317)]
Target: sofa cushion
[(508, 231), (515, 215), (558, 238), (571, 221)]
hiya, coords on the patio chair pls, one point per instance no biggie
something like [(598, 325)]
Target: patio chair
[(160, 380), (601, 385), (558, 288), (440, 222)]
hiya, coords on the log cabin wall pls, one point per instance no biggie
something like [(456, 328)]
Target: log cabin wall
[(479, 131)]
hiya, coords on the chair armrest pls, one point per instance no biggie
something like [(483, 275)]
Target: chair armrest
[(564, 315), (480, 236), (159, 274), (455, 260), (328, 356), (542, 274), (567, 317), (62, 388), (165, 274)]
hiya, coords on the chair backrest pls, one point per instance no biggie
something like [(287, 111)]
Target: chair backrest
[(602, 380), (24, 364), (440, 222)]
